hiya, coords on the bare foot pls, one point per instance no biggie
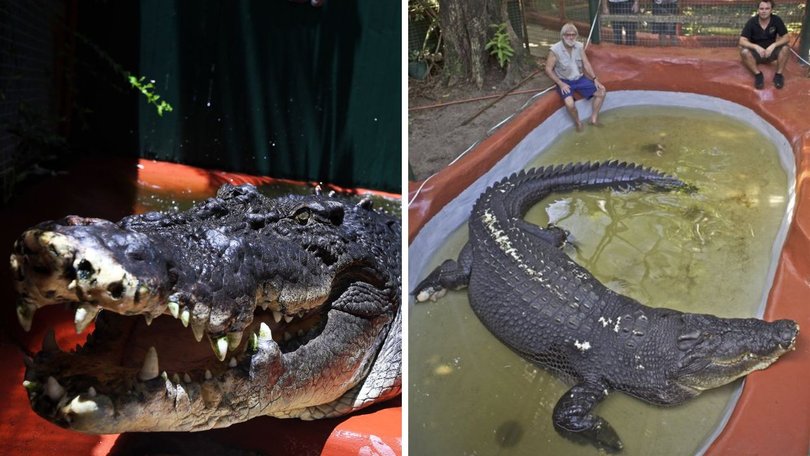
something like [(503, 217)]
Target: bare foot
[(579, 126), (595, 123)]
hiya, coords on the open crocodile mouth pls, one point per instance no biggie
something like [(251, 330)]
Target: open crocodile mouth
[(126, 356), (150, 343)]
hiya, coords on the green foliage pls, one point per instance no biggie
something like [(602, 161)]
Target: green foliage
[(422, 9), (147, 89), (500, 46)]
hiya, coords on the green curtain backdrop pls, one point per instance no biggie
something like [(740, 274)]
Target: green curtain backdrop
[(276, 88)]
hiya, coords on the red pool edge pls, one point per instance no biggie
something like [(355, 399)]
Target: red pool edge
[(772, 415), (108, 188)]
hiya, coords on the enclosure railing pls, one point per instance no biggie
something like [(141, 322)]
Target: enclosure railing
[(697, 23)]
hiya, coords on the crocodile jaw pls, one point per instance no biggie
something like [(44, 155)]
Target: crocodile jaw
[(98, 389), (738, 347)]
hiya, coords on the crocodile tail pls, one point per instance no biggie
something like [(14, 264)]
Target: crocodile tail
[(611, 174), (522, 189)]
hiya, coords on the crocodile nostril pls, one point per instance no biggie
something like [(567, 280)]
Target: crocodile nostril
[(116, 290), (84, 269)]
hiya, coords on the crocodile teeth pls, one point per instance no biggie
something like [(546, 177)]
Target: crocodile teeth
[(198, 328), (85, 314), (91, 392), (174, 308), (232, 362), (288, 318), (25, 314), (79, 406), (264, 332), (150, 366), (287, 336), (176, 378), (53, 389), (49, 342), (234, 339), (185, 316), (277, 316), (253, 343), (208, 375), (186, 378), (148, 319), (220, 346)]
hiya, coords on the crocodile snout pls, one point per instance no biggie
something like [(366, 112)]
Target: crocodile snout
[(786, 332)]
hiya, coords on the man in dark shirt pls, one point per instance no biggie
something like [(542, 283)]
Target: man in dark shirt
[(762, 40)]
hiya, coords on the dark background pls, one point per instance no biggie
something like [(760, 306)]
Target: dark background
[(273, 87)]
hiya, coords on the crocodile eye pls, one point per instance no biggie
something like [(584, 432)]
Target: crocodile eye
[(302, 216)]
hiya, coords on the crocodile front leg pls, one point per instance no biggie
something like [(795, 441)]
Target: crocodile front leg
[(450, 275), (573, 418)]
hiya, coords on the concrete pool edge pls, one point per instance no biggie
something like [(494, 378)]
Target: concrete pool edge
[(773, 402)]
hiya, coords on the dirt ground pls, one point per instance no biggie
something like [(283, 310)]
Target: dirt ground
[(437, 114)]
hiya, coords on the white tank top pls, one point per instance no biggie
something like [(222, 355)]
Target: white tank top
[(568, 66)]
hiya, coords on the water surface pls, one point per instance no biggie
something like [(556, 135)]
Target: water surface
[(704, 252)]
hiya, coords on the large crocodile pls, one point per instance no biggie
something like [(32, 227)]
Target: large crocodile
[(553, 312), (299, 297)]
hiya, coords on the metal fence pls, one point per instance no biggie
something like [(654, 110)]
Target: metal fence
[(689, 23)]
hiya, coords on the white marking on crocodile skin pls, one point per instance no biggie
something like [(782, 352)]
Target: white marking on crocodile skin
[(491, 224), (618, 322), (605, 322), (582, 346)]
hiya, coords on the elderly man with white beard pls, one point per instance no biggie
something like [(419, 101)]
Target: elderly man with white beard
[(569, 68)]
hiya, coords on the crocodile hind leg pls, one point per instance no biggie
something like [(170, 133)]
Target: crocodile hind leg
[(573, 418), (450, 275)]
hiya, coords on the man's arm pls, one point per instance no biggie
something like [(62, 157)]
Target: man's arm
[(745, 39), (782, 40), (588, 70), (551, 60), (746, 43)]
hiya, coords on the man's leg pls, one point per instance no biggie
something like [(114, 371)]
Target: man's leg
[(781, 61), (598, 99), (572, 111), (750, 61)]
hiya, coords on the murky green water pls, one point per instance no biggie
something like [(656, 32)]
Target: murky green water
[(704, 252)]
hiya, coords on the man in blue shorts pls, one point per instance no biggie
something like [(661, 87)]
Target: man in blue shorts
[(569, 68), (763, 40)]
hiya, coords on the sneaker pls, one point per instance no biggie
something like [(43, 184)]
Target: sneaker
[(759, 81), (778, 80)]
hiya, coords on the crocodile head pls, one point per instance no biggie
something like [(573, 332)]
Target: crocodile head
[(241, 307), (715, 351)]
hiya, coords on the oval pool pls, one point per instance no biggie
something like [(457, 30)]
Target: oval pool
[(666, 250), (770, 416)]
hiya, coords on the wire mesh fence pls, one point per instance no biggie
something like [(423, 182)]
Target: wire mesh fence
[(682, 23)]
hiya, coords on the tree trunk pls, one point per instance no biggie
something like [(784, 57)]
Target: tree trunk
[(520, 60), (465, 30)]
